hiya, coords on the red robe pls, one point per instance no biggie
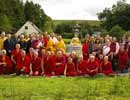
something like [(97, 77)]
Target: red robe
[(107, 68), (85, 51), (8, 69), (23, 63), (16, 55), (122, 60), (36, 65), (49, 65), (30, 57), (81, 66), (71, 69), (59, 69), (92, 66), (45, 40)]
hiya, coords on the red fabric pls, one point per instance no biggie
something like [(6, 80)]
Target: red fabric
[(49, 65), (107, 68), (81, 66), (85, 51), (45, 40), (71, 70), (23, 63), (113, 47), (8, 69), (16, 55), (36, 65), (30, 57), (59, 69), (122, 60), (92, 66)]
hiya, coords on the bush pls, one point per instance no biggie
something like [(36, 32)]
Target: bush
[(68, 35)]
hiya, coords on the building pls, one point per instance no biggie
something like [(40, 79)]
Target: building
[(29, 28)]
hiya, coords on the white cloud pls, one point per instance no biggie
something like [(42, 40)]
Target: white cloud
[(74, 9)]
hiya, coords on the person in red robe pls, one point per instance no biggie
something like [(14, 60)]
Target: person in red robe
[(30, 55), (45, 39), (5, 64), (35, 66), (106, 67), (70, 69), (92, 66), (60, 63), (122, 59), (100, 61), (49, 64), (81, 66), (16, 54), (74, 57), (23, 64), (85, 50)]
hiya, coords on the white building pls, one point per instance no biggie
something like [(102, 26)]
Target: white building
[(29, 28)]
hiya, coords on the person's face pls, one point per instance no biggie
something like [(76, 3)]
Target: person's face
[(17, 46)]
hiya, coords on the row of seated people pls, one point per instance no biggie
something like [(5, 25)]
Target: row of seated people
[(47, 63)]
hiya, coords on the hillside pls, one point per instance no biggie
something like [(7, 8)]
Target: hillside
[(91, 22)]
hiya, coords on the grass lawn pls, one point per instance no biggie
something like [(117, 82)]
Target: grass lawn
[(41, 88)]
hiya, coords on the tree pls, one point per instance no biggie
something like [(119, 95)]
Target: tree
[(116, 31), (117, 15), (5, 24)]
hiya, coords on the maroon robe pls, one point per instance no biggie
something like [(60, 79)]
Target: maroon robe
[(36, 66), (23, 63), (71, 69), (8, 68), (106, 68), (92, 66), (122, 60), (59, 69), (81, 67), (85, 51), (49, 65)]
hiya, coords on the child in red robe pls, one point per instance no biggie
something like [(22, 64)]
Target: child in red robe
[(5, 64), (122, 59), (106, 67), (92, 66), (60, 63), (70, 69), (23, 64), (81, 66), (35, 66)]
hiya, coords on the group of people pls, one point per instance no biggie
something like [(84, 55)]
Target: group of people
[(45, 55)]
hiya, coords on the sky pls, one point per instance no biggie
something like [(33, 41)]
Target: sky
[(74, 9)]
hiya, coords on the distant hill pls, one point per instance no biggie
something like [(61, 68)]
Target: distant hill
[(90, 22)]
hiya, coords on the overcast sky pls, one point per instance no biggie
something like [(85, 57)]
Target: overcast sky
[(74, 9)]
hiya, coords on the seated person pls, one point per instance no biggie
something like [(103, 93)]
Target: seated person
[(75, 41)]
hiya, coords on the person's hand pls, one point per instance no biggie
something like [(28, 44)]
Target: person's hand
[(36, 73), (31, 73)]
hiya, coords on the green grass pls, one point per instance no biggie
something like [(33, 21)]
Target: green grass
[(90, 22), (41, 88)]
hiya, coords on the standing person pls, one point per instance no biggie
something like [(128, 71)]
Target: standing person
[(60, 44), (5, 63), (16, 54), (23, 43), (122, 60), (2, 39), (70, 68), (9, 45), (15, 39), (45, 39), (114, 49), (35, 66), (85, 52), (92, 66)]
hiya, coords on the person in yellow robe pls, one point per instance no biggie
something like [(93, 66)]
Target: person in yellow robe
[(50, 45), (60, 44), (2, 39), (75, 41)]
